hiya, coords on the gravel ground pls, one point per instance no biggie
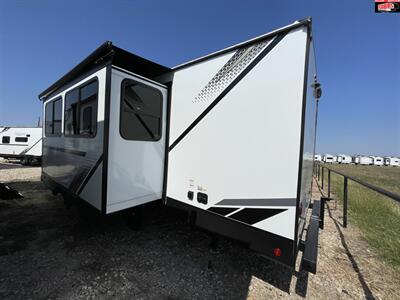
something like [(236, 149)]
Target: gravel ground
[(48, 251)]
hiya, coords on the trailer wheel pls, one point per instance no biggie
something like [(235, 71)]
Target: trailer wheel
[(33, 161)]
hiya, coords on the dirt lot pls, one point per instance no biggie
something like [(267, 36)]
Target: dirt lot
[(48, 251)]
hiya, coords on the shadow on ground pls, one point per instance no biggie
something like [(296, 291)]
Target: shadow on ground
[(367, 291), (70, 253), (11, 165)]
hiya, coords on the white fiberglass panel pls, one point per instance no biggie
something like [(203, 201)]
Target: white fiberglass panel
[(247, 146), (187, 84), (135, 168)]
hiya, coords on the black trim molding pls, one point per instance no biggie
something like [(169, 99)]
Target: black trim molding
[(296, 239), (106, 139)]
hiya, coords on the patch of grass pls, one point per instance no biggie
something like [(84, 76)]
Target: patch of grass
[(377, 216), (387, 178)]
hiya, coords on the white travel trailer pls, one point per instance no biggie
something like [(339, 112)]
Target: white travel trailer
[(121, 131), (328, 159), (392, 161), (317, 157), (366, 160), (24, 143), (377, 160), (355, 159), (344, 159)]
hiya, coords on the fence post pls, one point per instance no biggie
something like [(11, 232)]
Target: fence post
[(329, 183), (318, 170), (345, 202), (322, 178)]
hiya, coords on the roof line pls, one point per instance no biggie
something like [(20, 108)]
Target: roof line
[(294, 25)]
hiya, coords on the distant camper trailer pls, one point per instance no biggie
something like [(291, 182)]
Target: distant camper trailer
[(366, 160), (391, 161), (344, 159), (377, 160), (318, 157), (24, 143), (355, 160), (328, 158)]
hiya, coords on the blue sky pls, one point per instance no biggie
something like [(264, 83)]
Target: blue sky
[(357, 53)]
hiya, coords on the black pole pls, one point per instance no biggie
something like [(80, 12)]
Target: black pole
[(345, 202), (329, 183), (321, 213), (322, 178)]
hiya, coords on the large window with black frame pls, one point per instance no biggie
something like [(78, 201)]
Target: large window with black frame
[(80, 116), (141, 112), (53, 118)]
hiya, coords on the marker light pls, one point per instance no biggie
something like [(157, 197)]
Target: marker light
[(277, 252)]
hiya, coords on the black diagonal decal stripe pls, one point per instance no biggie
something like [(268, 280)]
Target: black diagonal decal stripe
[(90, 174), (255, 61), (223, 210), (78, 178), (254, 215)]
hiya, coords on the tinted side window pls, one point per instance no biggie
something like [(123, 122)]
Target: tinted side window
[(88, 109), (57, 117), (80, 116), (5, 140), (141, 108), (48, 118), (52, 120), (21, 139), (71, 112)]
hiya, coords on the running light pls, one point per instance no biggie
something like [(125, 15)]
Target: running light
[(277, 252)]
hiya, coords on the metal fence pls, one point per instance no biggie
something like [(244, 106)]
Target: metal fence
[(319, 170)]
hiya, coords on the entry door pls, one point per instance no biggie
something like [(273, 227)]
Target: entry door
[(136, 141)]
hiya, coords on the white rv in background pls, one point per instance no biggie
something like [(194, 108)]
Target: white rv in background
[(122, 131), (377, 160), (24, 143), (328, 159), (365, 160), (355, 159), (391, 161), (318, 157), (344, 159)]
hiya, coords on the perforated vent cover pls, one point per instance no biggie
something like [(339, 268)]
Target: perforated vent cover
[(236, 64)]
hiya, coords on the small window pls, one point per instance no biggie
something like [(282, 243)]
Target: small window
[(57, 114), (21, 139), (48, 127), (5, 140), (81, 110), (53, 117), (71, 112), (141, 108)]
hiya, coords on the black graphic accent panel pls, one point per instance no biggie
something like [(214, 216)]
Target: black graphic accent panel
[(254, 215), (223, 210)]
